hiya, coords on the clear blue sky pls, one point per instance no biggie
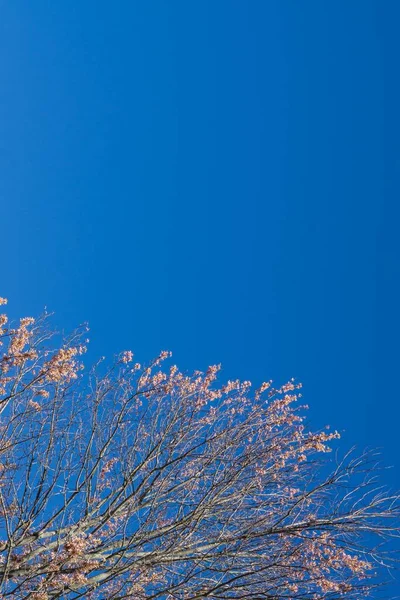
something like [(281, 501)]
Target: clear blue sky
[(219, 178)]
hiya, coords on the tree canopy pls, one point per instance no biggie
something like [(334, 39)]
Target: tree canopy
[(139, 481)]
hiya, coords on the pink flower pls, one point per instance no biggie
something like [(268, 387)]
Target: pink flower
[(127, 356)]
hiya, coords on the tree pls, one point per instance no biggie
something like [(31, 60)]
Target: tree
[(144, 482)]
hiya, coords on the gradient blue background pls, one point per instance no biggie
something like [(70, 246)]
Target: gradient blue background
[(218, 178)]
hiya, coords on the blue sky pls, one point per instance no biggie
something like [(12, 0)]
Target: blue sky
[(218, 178)]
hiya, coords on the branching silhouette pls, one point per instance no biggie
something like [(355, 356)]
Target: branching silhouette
[(125, 481)]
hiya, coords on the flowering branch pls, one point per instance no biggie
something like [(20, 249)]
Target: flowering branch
[(144, 482)]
